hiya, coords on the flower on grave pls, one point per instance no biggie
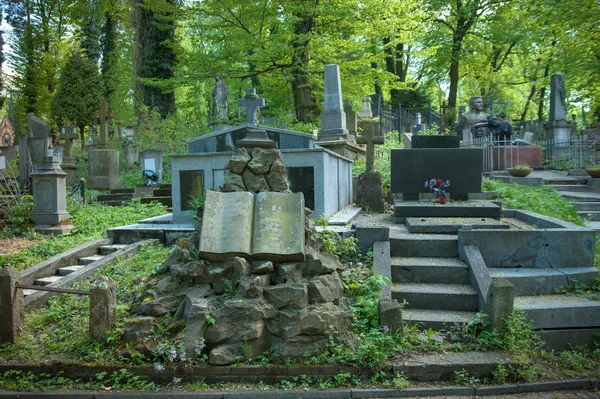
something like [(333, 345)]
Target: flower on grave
[(158, 367), (438, 186)]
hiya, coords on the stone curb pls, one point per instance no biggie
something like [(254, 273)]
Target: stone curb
[(582, 384)]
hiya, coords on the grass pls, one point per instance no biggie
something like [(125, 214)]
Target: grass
[(91, 222)]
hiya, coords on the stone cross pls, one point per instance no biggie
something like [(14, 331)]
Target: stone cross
[(558, 107), (351, 119), (251, 102), (370, 140), (104, 115), (69, 135)]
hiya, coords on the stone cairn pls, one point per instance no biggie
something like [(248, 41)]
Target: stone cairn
[(256, 169), (240, 308)]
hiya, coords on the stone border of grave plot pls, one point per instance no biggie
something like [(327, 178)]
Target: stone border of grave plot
[(41, 297)]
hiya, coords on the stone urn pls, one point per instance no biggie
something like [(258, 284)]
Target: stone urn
[(595, 173), (519, 171)]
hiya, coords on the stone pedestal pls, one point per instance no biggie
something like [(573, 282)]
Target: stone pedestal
[(131, 152), (104, 172), (103, 302), (50, 199), (11, 305), (70, 168)]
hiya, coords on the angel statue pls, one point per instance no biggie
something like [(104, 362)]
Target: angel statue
[(221, 95)]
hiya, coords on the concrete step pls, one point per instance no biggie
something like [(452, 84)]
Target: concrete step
[(29, 292), (109, 249), (587, 206), (437, 319), (544, 281), (425, 225), (161, 192), (429, 270), (590, 215), (89, 259), (115, 197), (417, 245), (573, 187), (166, 201), (47, 280), (64, 271), (459, 209), (122, 191), (576, 196), (165, 185), (436, 296), (559, 311), (114, 203), (570, 180)]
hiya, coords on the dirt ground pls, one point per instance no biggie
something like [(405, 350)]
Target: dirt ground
[(11, 245)]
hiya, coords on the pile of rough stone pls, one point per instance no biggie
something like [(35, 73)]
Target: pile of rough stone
[(255, 305), (259, 170)]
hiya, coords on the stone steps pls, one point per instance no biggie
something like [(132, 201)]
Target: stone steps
[(450, 225), (166, 233), (588, 206), (559, 311), (573, 187), (437, 319), (529, 281), (115, 197), (590, 215), (103, 250), (431, 245), (429, 270), (461, 297)]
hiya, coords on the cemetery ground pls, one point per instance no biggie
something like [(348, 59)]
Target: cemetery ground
[(55, 337)]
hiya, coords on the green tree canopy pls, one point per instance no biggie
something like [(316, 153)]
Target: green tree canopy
[(79, 94)]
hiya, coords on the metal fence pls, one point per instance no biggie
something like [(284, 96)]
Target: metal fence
[(575, 154)]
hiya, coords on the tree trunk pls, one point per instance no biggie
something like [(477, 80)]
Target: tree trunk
[(529, 99), (543, 94), (82, 135), (454, 66), (302, 88)]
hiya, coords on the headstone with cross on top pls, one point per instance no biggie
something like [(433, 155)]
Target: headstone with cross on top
[(370, 140)]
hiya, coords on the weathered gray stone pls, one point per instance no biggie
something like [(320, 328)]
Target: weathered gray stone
[(233, 331), (325, 288), (196, 322), (253, 286), (296, 347), (190, 294), (390, 315), (165, 297), (223, 355), (241, 266), (188, 243), (196, 271), (234, 179), (230, 188), (177, 255), (11, 305), (103, 302), (262, 267), (277, 177), (255, 183), (262, 159), (314, 320), (370, 191), (239, 160), (288, 273), (500, 301), (318, 263), (288, 295), (139, 328), (220, 271)]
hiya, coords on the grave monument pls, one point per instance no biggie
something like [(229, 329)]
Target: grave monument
[(473, 117), (152, 160), (366, 111), (333, 134), (220, 94), (370, 183), (558, 128), (68, 136), (104, 167), (32, 147), (324, 177), (50, 197)]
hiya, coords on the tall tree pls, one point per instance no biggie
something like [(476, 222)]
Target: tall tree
[(154, 56), (79, 94)]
